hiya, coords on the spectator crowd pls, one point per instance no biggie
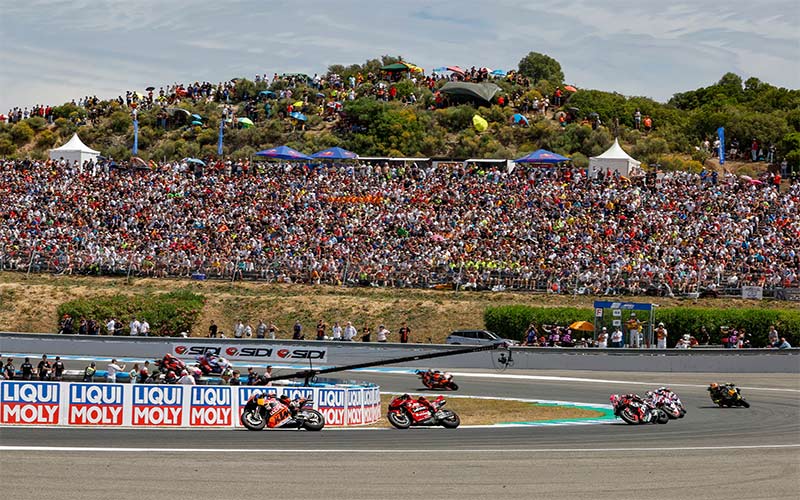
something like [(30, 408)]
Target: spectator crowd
[(401, 225)]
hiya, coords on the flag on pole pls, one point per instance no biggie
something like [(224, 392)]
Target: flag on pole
[(721, 135), (219, 143), (135, 137)]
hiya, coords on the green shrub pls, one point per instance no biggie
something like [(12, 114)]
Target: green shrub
[(512, 321), (168, 314)]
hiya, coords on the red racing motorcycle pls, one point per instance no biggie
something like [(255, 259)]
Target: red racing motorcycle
[(434, 379), (405, 412)]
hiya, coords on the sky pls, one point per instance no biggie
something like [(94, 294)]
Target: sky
[(52, 51)]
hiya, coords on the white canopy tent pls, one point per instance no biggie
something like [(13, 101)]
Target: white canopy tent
[(74, 150), (615, 159)]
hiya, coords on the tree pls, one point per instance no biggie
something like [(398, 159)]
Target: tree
[(538, 66)]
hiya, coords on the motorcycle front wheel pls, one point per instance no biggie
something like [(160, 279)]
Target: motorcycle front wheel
[(399, 420), (744, 403), (314, 421), (662, 418), (629, 416), (451, 421), (253, 420), (453, 386)]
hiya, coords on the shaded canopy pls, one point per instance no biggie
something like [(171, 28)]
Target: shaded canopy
[(542, 156), (74, 150), (283, 153), (483, 91), (335, 154), (614, 158)]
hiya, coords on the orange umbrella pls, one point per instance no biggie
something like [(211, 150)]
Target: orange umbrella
[(570, 88), (583, 326)]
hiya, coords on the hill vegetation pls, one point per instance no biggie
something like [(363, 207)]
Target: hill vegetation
[(406, 126)]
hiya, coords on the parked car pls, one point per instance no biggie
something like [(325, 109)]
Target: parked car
[(477, 337)]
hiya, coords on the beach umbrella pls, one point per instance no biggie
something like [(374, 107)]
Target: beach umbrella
[(335, 154), (246, 122), (440, 69), (583, 326), (542, 156), (455, 69), (518, 118), (479, 123), (197, 122), (298, 104), (498, 72), (267, 93), (283, 153), (197, 117), (320, 94), (570, 88), (195, 161), (298, 116), (150, 89)]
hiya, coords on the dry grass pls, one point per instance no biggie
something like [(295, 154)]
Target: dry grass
[(495, 411), (30, 304)]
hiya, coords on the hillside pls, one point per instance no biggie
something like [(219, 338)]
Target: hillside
[(403, 114)]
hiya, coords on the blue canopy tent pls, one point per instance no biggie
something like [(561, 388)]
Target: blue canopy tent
[(298, 116), (498, 72), (335, 154), (284, 153), (267, 93), (542, 156), (518, 118)]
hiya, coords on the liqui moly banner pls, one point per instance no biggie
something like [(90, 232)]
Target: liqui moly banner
[(159, 405), (145, 405), (95, 404), (30, 403)]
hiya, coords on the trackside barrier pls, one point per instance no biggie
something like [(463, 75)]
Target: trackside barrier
[(145, 405)]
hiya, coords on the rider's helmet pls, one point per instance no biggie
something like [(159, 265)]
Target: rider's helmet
[(649, 394), (713, 386)]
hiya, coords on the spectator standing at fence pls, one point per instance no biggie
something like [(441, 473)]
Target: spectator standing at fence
[(88, 373), (58, 369), (321, 330), (705, 338), (134, 373), (144, 328), (772, 335), (248, 330), (111, 326), (186, 378), (43, 369), (617, 338), (112, 369), (404, 332), (661, 336), (212, 330), (144, 373), (297, 331), (273, 329), (238, 329), (336, 331), (383, 334), (9, 370), (349, 332), (366, 334), (27, 369), (633, 326), (135, 326), (261, 329), (602, 338)]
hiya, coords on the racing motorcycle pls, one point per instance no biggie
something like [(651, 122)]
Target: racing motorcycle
[(434, 379), (727, 395), (170, 363), (635, 410), (213, 365), (405, 411), (265, 410), (666, 400)]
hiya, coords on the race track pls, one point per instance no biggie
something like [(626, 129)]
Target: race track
[(711, 453)]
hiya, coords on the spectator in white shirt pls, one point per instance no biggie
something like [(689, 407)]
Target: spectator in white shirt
[(135, 325), (112, 369), (238, 330), (248, 331), (336, 331), (186, 379), (349, 331), (144, 328), (382, 333), (111, 326)]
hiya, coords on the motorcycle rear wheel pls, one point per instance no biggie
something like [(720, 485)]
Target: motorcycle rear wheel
[(452, 421), (399, 420), (253, 420), (314, 421), (627, 414)]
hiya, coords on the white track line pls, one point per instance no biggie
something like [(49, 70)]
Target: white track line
[(92, 449)]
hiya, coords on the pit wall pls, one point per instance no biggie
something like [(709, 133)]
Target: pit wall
[(75, 404)]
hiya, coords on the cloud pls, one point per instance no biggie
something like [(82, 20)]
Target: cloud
[(56, 50)]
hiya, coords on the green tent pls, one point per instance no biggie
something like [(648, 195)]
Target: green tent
[(484, 91), (395, 67)]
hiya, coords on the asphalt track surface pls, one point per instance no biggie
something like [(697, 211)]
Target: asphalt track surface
[(711, 453)]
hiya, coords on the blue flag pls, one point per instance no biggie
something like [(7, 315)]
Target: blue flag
[(135, 137), (219, 143), (721, 134)]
